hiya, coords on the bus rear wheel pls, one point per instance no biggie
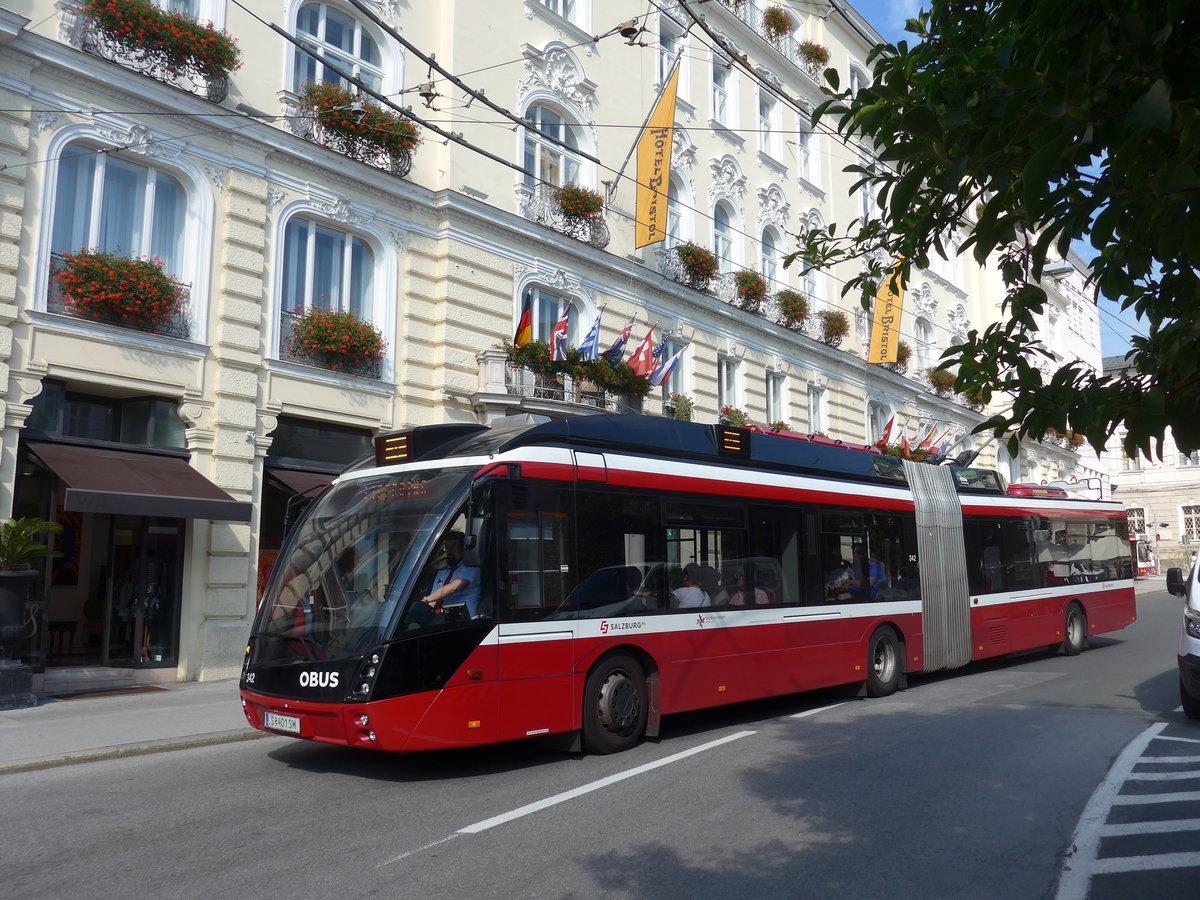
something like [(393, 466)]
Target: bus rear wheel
[(614, 705), (883, 663), (1074, 631)]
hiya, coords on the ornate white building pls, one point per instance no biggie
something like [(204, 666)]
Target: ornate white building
[(170, 454)]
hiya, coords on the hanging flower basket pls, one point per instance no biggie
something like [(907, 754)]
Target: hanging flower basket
[(941, 381), (698, 264), (793, 309), (751, 290), (578, 204), (811, 54), (834, 326), (359, 129), (777, 22), (336, 340), (138, 27), (117, 289)]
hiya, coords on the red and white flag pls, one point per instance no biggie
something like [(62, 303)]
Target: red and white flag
[(887, 431), (642, 360)]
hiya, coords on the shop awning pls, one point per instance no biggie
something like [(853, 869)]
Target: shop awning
[(120, 482), (299, 482)]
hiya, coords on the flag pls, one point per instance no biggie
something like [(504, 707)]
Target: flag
[(558, 336), (614, 353), (590, 348), (928, 441), (904, 440), (654, 167), (885, 330), (524, 333), (663, 372), (642, 360), (887, 431)]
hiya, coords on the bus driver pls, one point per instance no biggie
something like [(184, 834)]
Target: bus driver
[(455, 583)]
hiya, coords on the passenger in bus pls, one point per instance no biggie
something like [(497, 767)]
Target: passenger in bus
[(745, 592), (691, 594), (838, 576), (455, 584), (868, 575)]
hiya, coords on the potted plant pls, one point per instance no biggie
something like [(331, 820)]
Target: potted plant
[(698, 264), (751, 290), (812, 55), (780, 426), (336, 339), (117, 289), (903, 354), (834, 326), (941, 381), (731, 415), (680, 407), (20, 549), (138, 26), (793, 309), (578, 204), (1075, 440), (356, 128), (777, 22)]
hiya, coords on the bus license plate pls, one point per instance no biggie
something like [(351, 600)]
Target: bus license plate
[(281, 723)]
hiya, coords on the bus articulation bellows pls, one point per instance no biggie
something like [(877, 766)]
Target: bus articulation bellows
[(630, 567)]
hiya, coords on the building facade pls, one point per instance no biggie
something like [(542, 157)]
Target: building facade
[(172, 450)]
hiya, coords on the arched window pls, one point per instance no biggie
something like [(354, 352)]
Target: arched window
[(768, 264), (878, 416), (926, 349), (723, 243), (327, 268), (679, 216), (547, 308), (548, 161), (341, 42), (120, 207)]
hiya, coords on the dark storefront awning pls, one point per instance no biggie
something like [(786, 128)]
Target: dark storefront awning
[(120, 482), (300, 482)]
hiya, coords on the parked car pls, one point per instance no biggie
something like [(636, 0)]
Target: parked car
[(1189, 640)]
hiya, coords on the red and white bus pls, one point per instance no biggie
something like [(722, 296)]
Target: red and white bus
[(809, 564)]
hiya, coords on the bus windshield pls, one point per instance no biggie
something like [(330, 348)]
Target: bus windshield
[(334, 592)]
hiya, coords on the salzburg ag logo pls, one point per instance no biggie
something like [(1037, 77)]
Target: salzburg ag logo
[(603, 627), (700, 620)]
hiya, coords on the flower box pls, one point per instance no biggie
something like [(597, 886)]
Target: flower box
[(336, 340), (161, 44), (731, 415), (834, 326), (599, 374), (793, 309), (903, 355), (578, 204), (751, 290), (117, 289), (680, 407), (698, 265), (941, 381), (360, 130), (777, 22)]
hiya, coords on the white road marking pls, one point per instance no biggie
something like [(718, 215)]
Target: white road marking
[(1151, 827), (1112, 864), (408, 853), (595, 785), (1144, 799), (813, 712), (1163, 776)]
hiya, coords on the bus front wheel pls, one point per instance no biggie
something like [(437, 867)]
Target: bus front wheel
[(614, 705), (1075, 631), (883, 663)]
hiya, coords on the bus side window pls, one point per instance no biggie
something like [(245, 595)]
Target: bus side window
[(619, 556)]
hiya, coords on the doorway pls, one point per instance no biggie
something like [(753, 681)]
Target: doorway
[(143, 592)]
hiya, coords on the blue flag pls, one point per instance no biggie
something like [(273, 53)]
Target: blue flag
[(590, 348)]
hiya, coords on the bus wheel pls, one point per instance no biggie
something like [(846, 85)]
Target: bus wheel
[(1075, 631), (883, 663), (614, 705)]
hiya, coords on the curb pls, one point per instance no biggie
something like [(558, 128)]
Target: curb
[(142, 748)]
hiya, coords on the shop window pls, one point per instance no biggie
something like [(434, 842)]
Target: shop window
[(137, 421)]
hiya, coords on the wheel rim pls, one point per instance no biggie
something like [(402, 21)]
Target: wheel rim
[(883, 660), (618, 703), (1075, 627)]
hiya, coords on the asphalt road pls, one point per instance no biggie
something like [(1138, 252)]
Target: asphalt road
[(969, 784)]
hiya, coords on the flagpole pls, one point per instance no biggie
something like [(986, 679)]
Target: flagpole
[(612, 185)]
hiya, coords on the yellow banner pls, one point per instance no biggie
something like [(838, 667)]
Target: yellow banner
[(654, 167), (885, 332)]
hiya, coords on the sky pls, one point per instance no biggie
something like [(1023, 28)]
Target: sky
[(888, 18)]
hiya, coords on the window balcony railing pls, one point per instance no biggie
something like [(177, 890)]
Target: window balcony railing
[(523, 382), (301, 122), (153, 61), (332, 361), (753, 17), (176, 325), (537, 204)]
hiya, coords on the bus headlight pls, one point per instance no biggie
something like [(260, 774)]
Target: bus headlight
[(364, 680)]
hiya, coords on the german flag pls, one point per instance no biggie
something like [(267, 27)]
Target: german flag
[(525, 327)]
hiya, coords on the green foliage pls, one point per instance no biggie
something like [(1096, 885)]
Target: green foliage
[(698, 263), (1030, 125), (114, 288), (793, 308), (578, 203), (618, 379), (834, 326), (139, 26), (751, 289), (19, 547), (336, 339)]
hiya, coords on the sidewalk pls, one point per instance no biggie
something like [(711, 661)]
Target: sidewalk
[(168, 717)]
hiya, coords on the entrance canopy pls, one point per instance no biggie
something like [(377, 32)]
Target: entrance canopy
[(121, 482)]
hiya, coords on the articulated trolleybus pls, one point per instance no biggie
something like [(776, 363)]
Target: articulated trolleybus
[(619, 568)]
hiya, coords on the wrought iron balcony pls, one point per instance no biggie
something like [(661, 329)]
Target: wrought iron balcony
[(176, 325), (301, 122), (335, 362), (753, 16), (537, 204), (522, 382), (147, 59)]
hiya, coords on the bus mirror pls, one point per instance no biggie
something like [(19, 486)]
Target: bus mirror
[(474, 542)]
